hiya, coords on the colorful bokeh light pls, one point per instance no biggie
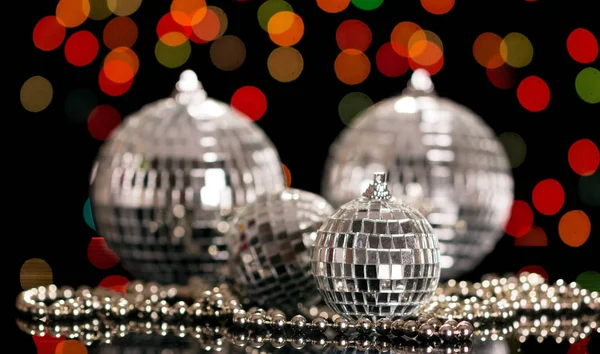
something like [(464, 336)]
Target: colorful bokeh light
[(228, 53), (548, 196), (437, 7), (87, 214), (587, 85), (589, 280), (503, 77), (36, 94), (353, 34), (81, 48), (48, 33), (584, 157), (268, 9), (574, 228), (99, 255), (102, 121), (521, 219), (71, 346), (171, 56), (535, 237), (285, 64), (389, 62), (287, 174), (123, 7), (72, 13), (352, 104), (35, 272), (589, 189), (367, 5), (120, 32), (516, 50), (352, 67), (533, 94), (117, 283), (333, 6), (285, 28), (515, 148), (251, 101), (534, 269), (582, 46)]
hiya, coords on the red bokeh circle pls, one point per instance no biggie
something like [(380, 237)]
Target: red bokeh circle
[(548, 197), (100, 255), (102, 120), (521, 219), (251, 101)]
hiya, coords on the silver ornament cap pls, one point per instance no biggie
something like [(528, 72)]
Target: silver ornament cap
[(441, 158), (168, 178), (376, 257)]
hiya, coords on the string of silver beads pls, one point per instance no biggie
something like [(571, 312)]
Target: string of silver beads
[(424, 326)]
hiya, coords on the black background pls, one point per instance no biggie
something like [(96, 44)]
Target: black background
[(54, 155)]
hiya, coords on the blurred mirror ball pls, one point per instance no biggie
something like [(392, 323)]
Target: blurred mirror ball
[(170, 176), (270, 244), (441, 158)]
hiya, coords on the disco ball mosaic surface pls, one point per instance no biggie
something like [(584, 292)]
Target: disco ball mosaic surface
[(441, 158), (376, 257), (169, 177), (271, 243)]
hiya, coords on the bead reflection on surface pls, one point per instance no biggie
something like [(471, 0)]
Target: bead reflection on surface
[(441, 158), (168, 178)]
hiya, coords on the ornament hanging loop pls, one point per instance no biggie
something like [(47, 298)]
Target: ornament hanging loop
[(420, 83), (378, 189), (188, 89)]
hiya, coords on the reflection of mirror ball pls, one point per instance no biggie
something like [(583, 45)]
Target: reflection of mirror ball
[(441, 158), (170, 175)]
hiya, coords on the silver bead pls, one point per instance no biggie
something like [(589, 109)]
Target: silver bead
[(426, 330), (257, 340), (298, 341), (363, 343), (195, 310), (278, 321), (298, 323), (446, 331), (178, 310), (410, 328), (240, 318), (278, 341), (38, 310), (257, 319), (398, 327), (374, 240), (270, 242), (451, 323), (383, 344), (412, 137), (465, 330), (341, 325), (383, 326), (200, 161), (363, 325), (434, 322), (340, 342), (319, 324)]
